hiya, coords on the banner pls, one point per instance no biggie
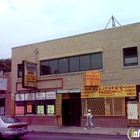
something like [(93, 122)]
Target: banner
[(108, 91)]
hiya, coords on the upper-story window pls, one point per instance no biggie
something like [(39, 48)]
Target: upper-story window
[(72, 64), (19, 70), (85, 62), (130, 56), (63, 65), (54, 66)]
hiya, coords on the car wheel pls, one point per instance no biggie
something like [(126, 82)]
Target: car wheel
[(16, 138)]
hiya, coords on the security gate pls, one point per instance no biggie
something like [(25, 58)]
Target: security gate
[(133, 113)]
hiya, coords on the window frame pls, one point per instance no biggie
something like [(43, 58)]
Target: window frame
[(130, 64), (58, 72), (18, 71)]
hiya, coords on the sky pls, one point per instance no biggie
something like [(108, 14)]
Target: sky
[(25, 22)]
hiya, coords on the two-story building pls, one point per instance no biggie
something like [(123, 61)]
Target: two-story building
[(48, 86)]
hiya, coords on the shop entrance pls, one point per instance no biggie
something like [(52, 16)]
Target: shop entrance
[(71, 109)]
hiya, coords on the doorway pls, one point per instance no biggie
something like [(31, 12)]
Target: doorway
[(71, 110), (2, 106)]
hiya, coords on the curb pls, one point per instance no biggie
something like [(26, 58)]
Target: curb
[(71, 133)]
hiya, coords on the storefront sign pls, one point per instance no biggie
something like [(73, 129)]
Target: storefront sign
[(29, 75), (109, 91), (69, 91), (19, 110), (40, 96), (3, 84), (19, 97), (91, 78), (50, 95), (50, 109), (29, 96)]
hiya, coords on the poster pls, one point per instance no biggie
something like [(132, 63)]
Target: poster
[(29, 96), (50, 109), (19, 110), (29, 108), (51, 95), (40, 95), (19, 97), (40, 109)]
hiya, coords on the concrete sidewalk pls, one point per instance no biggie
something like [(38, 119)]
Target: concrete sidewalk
[(77, 130)]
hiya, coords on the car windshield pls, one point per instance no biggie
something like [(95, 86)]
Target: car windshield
[(10, 119)]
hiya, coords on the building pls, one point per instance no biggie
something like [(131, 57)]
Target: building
[(5, 93), (51, 91)]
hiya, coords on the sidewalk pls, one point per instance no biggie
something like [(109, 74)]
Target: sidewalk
[(77, 130)]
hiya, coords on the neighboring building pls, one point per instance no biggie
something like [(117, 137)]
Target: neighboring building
[(56, 97), (5, 93)]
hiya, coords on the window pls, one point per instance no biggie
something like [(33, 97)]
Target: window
[(50, 107), (85, 62), (63, 65), (19, 70), (30, 107), (19, 108), (45, 69), (74, 64), (91, 61), (96, 61), (54, 66), (130, 56), (40, 107)]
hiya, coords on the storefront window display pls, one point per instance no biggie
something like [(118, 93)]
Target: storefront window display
[(40, 103)]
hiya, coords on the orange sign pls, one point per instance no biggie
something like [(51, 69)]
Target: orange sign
[(91, 78), (108, 91)]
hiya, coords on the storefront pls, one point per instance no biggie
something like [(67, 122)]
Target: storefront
[(40, 103), (107, 103)]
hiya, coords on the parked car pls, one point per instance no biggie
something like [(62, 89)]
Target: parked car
[(11, 127)]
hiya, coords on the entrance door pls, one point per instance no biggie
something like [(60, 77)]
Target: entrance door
[(71, 110), (2, 105)]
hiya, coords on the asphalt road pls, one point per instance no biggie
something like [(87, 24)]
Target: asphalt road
[(46, 136)]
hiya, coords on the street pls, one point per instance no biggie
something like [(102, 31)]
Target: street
[(46, 136)]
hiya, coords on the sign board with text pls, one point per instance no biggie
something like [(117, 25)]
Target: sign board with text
[(29, 75), (91, 78), (108, 91)]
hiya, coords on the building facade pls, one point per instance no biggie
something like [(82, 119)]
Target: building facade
[(5, 94), (47, 78)]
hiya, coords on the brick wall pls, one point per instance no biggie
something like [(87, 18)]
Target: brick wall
[(107, 121), (39, 120)]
